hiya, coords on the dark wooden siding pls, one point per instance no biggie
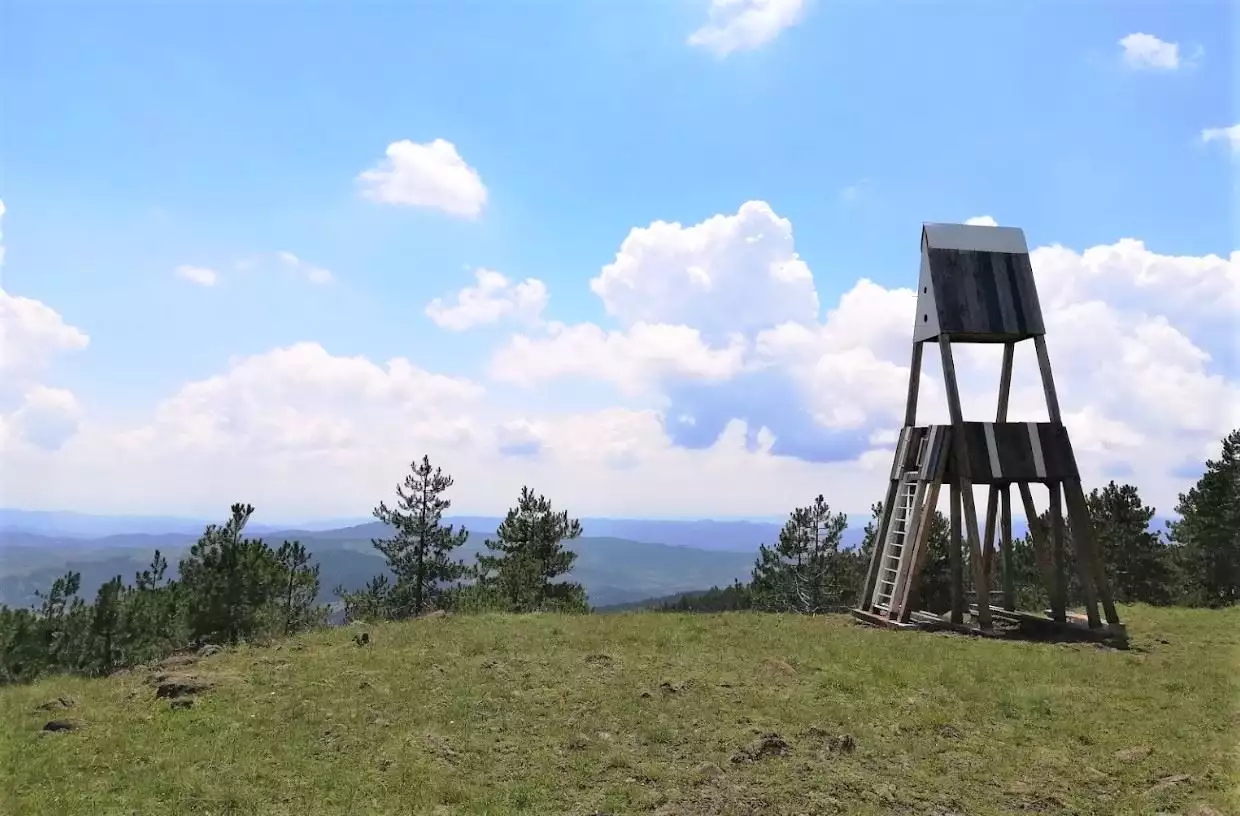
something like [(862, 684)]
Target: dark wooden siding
[(983, 296), (1015, 457)]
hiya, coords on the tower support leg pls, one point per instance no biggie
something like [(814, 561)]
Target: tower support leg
[(1009, 567), (956, 556), (988, 539), (1059, 600), (1079, 512), (961, 450)]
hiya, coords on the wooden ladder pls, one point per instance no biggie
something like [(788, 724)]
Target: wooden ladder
[(894, 565)]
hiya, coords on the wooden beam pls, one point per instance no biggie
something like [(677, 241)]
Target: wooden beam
[(956, 556), (988, 537), (914, 381), (1041, 553), (1005, 492), (1059, 600), (960, 445), (1079, 511), (1005, 381), (1048, 381), (1082, 538), (1009, 566)]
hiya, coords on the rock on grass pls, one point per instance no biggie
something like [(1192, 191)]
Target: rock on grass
[(767, 745), (173, 686)]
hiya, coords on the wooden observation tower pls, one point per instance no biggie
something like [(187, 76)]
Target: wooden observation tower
[(977, 286)]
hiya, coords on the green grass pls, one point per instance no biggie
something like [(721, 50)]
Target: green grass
[(546, 715)]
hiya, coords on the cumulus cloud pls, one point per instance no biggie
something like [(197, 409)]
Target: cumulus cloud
[(982, 221), (425, 175), (301, 397), (634, 360), (743, 25), (1145, 51), (200, 275), (1128, 275), (1229, 136), (31, 334), (491, 298), (729, 273), (47, 418), (739, 392)]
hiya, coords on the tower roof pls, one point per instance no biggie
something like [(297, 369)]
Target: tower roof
[(976, 285)]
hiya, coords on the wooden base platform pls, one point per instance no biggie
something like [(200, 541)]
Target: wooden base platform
[(877, 620), (1007, 624)]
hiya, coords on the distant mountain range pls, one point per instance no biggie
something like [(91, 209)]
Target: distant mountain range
[(738, 536), (620, 561), (613, 570)]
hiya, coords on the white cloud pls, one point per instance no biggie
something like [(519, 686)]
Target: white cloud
[(47, 418), (31, 334), (2, 233), (302, 398), (729, 273), (1228, 135), (1145, 51), (982, 221), (200, 275), (306, 271), (634, 360), (1128, 275), (728, 370), (743, 25), (425, 175), (492, 298)]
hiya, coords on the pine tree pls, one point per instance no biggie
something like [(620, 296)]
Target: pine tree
[(62, 623), (105, 626), (419, 551), (155, 614), (803, 571), (528, 553), (1208, 532), (371, 603), (1137, 559), (232, 584), (301, 585), (865, 550)]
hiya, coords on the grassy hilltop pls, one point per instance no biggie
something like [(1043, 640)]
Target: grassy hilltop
[(647, 713)]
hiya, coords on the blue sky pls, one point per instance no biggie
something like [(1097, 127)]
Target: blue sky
[(140, 138)]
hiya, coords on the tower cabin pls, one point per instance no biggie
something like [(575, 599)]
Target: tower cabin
[(976, 285)]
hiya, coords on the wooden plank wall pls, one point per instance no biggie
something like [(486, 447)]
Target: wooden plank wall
[(1002, 452), (984, 295)]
